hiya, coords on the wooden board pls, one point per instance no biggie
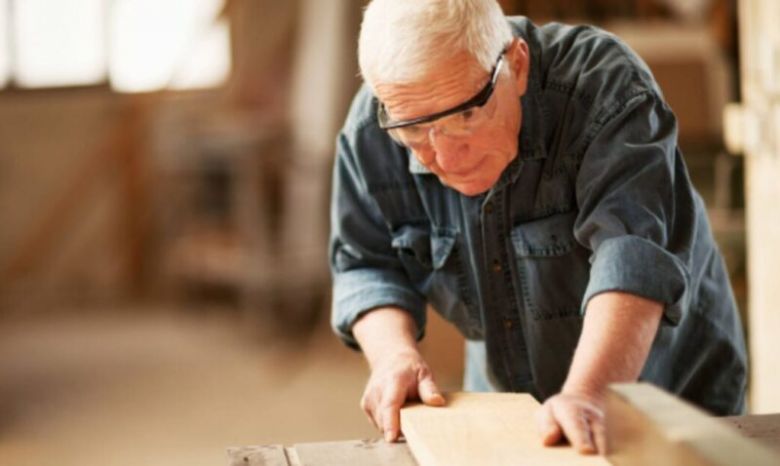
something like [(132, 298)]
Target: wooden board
[(483, 428), (760, 60), (647, 426)]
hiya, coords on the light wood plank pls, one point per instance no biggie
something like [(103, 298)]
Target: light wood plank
[(647, 426), (357, 452), (760, 63), (483, 428)]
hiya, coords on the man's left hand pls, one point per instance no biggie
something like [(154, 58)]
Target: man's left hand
[(576, 416)]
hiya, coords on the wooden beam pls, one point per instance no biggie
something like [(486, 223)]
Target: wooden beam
[(647, 426), (483, 428)]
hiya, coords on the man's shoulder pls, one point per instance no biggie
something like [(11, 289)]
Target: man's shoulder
[(585, 60), (362, 111), (378, 160)]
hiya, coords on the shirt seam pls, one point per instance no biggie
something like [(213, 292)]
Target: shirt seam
[(607, 114)]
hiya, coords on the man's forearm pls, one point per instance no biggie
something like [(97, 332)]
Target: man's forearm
[(617, 333), (385, 331), (398, 371)]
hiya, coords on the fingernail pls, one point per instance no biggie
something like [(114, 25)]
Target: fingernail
[(589, 447), (388, 436)]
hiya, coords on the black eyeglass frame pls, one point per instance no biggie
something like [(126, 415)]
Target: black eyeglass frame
[(478, 100)]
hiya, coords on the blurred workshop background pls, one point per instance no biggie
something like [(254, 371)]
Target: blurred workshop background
[(164, 180)]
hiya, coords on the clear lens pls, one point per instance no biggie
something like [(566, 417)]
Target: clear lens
[(459, 125), (411, 136)]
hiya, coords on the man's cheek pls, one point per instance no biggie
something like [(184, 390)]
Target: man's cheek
[(492, 140), (425, 157)]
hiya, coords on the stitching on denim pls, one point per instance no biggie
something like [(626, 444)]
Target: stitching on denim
[(583, 97), (381, 188), (465, 287), (608, 113)]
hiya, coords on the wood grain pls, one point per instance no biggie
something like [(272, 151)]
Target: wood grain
[(760, 77), (483, 428)]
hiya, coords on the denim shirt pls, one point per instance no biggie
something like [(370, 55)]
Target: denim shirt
[(598, 199)]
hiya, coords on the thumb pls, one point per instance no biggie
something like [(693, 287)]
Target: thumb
[(429, 392)]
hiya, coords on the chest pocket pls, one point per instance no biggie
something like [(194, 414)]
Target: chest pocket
[(433, 265), (554, 268)]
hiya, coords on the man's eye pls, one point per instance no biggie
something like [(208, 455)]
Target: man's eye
[(416, 131)]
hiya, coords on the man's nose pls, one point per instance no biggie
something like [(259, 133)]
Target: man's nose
[(451, 153)]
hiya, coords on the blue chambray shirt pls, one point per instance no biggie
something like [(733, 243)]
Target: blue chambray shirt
[(598, 199)]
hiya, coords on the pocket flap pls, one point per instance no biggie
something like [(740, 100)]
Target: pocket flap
[(442, 243), (548, 236), (430, 249)]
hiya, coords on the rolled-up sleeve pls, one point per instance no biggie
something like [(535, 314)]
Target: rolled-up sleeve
[(637, 205), (367, 272)]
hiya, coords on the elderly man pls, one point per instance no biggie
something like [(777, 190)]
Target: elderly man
[(526, 182)]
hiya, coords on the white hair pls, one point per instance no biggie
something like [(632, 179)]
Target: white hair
[(400, 40)]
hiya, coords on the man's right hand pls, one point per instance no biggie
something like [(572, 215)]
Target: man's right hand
[(395, 379), (398, 370)]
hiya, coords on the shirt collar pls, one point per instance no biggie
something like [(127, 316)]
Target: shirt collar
[(415, 167)]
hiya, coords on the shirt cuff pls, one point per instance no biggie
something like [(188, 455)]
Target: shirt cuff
[(635, 265), (358, 291)]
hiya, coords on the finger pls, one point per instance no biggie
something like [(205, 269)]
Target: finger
[(595, 418), (429, 392), (392, 400), (368, 406), (371, 420), (599, 434), (548, 428), (575, 425)]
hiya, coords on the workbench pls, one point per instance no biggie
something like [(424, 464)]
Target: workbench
[(377, 452), (638, 410)]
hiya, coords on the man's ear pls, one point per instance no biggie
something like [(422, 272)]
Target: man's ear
[(519, 62)]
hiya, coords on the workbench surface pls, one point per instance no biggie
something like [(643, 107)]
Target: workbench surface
[(375, 452)]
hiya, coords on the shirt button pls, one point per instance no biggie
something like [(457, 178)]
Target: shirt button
[(496, 266), (489, 208), (508, 324)]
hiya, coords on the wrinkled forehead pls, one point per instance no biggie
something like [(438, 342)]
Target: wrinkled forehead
[(446, 83)]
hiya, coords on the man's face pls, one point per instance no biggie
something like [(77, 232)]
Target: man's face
[(469, 163)]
